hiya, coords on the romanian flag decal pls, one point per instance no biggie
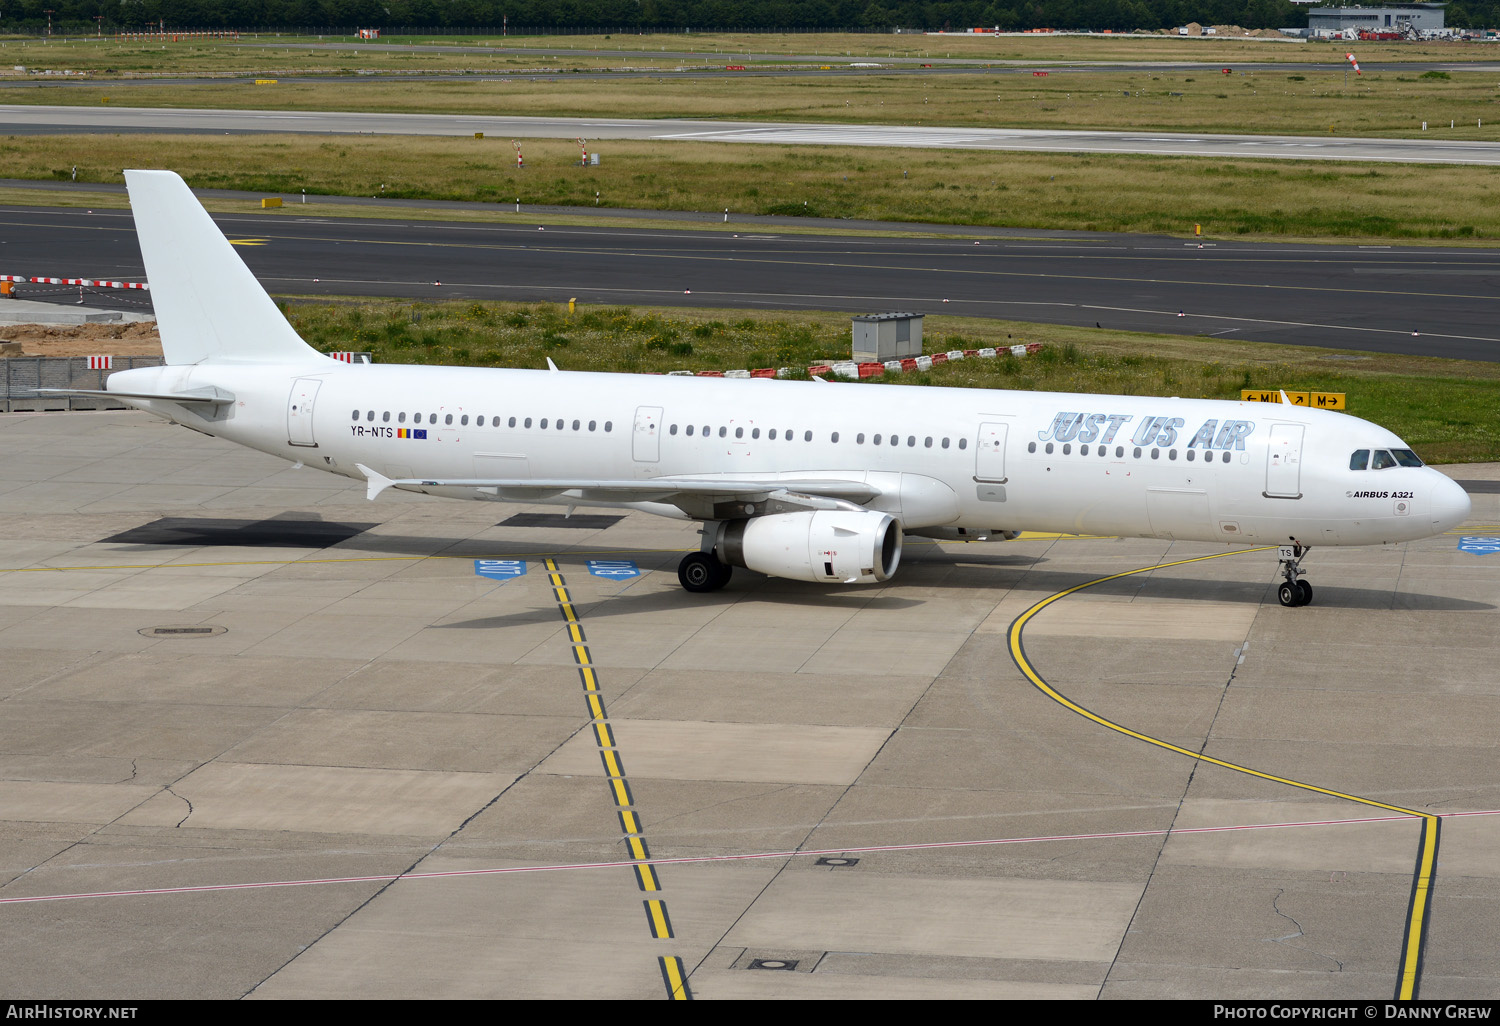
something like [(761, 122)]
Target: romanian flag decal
[(411, 432)]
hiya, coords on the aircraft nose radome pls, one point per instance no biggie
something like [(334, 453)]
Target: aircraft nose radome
[(1450, 504)]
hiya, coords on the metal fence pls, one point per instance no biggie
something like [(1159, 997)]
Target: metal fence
[(24, 373), (20, 375)]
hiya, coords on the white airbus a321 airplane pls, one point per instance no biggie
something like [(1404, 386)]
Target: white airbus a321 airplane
[(809, 480)]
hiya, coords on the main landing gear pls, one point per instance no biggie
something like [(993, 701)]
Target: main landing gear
[(702, 571), (1293, 591)]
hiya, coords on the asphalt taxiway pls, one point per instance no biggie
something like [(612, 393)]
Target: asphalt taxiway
[(261, 737), (1385, 299)]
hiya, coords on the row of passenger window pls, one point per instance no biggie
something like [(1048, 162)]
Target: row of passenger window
[(789, 435), (1136, 453), (463, 421)]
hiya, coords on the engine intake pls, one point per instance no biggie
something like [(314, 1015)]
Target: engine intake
[(824, 546)]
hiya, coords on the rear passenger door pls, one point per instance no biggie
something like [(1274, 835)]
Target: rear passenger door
[(299, 412)]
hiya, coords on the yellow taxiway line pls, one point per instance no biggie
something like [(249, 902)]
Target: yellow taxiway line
[(1419, 909), (647, 879)]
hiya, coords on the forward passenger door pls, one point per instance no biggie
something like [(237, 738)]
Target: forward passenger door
[(1284, 462), (989, 454)]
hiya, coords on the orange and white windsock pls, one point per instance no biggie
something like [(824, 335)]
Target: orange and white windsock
[(1354, 62)]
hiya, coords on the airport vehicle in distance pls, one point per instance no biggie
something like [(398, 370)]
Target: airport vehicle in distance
[(807, 480)]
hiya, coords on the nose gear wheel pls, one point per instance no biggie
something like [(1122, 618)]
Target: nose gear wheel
[(1293, 591)]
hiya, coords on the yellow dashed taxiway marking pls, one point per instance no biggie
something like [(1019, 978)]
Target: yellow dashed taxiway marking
[(656, 916), (646, 877), (675, 979)]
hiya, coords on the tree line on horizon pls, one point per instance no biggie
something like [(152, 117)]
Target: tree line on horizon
[(76, 16)]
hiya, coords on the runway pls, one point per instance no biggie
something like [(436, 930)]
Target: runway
[(31, 120), (1381, 299), (304, 749)]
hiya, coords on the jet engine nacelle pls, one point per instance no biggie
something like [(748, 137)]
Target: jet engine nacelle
[(824, 546)]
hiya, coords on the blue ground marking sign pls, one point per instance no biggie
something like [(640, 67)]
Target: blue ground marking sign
[(500, 569), (1480, 544), (619, 568)]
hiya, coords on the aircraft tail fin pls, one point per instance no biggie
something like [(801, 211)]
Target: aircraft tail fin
[(209, 307)]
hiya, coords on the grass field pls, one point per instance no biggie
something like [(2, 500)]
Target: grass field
[(268, 56), (1313, 200), (496, 214), (315, 54), (1028, 47), (1298, 102), (1443, 408), (1149, 194), (1012, 48)]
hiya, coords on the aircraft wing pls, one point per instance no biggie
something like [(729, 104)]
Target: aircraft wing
[(738, 488)]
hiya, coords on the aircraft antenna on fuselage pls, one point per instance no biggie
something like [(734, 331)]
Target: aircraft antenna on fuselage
[(209, 307)]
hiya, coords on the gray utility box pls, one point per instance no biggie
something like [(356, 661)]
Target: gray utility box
[(890, 336)]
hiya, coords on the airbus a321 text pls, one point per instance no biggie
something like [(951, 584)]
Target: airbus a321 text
[(808, 480)]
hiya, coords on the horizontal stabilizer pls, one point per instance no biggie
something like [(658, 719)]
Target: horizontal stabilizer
[(375, 483), (211, 396)]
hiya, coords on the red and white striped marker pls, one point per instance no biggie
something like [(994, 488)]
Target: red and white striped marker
[(90, 282), (851, 370), (101, 362)]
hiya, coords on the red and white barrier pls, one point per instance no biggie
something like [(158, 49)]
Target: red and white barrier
[(90, 282), (856, 371), (350, 357), (101, 362), (163, 34)]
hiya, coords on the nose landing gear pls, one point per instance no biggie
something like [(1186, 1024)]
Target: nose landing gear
[(1293, 591)]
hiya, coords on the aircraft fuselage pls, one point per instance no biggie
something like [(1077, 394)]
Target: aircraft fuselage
[(1186, 469)]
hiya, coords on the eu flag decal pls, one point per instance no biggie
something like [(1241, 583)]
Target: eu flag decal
[(417, 433)]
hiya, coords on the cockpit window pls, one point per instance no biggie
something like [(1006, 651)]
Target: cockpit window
[(1360, 460), (1406, 457), (1383, 460)]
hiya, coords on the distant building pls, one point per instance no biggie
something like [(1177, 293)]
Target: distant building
[(1389, 18)]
